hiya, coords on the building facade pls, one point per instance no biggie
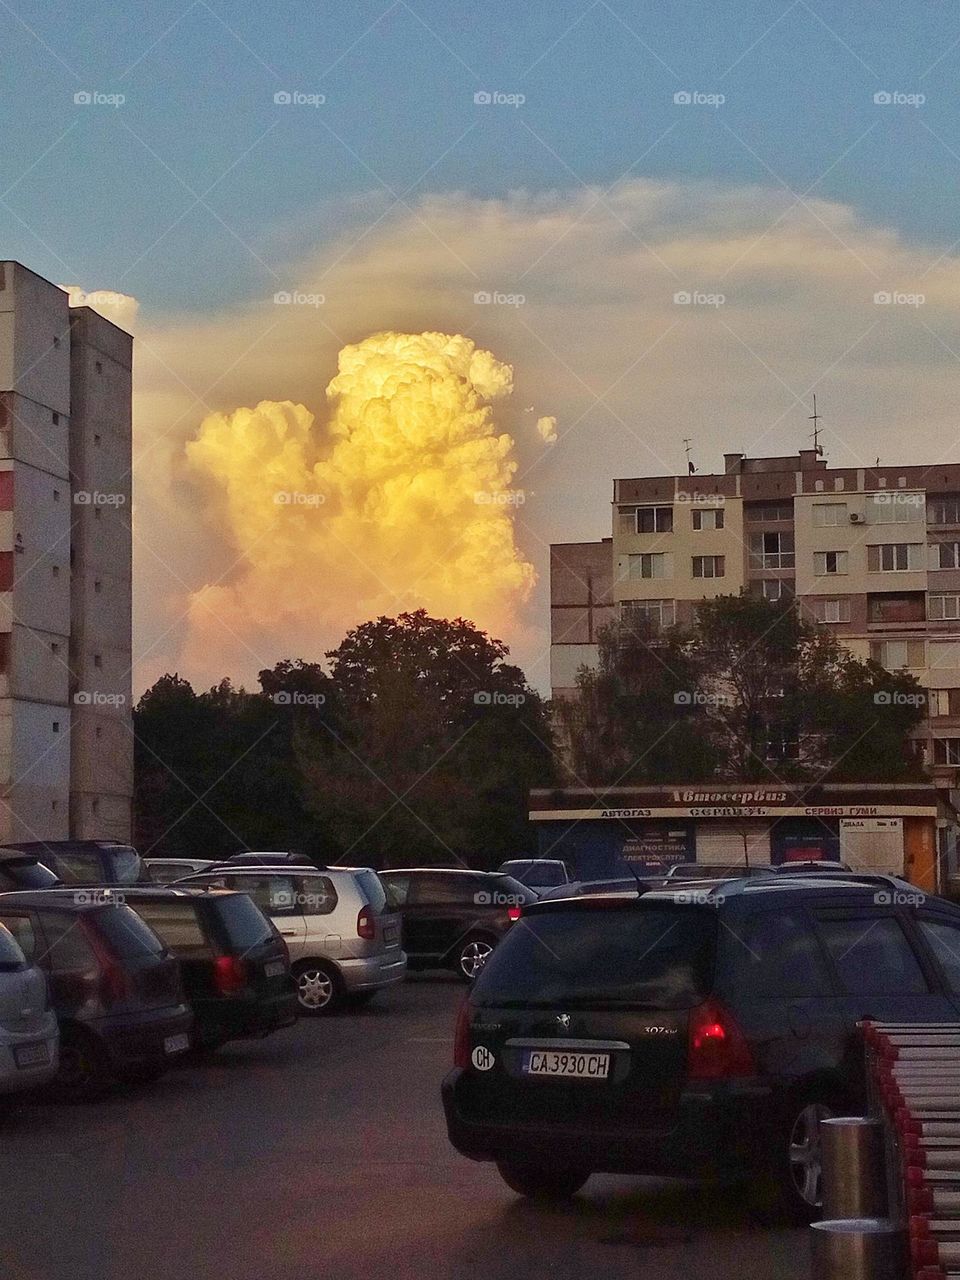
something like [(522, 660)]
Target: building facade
[(873, 553), (66, 740)]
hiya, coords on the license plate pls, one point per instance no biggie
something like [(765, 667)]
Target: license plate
[(176, 1044), (274, 969), (577, 1066), (31, 1055), (391, 934)]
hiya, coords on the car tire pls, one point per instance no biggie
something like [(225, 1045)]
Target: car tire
[(539, 1183), (794, 1186), (319, 988), (84, 1073), (472, 954)]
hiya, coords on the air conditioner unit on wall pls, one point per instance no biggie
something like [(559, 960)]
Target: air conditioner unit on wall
[(857, 517)]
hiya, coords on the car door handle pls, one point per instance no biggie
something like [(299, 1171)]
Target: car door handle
[(288, 933)]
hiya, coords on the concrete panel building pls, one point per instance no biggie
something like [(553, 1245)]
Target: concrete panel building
[(873, 553), (66, 743)]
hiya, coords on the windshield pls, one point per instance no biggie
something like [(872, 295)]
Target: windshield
[(120, 865), (655, 957)]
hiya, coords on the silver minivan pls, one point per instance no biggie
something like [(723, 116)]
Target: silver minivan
[(29, 1037), (343, 938)]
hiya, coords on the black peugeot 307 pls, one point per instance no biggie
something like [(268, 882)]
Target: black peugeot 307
[(699, 1032)]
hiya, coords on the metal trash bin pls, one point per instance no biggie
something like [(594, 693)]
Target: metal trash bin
[(854, 1177), (858, 1249)]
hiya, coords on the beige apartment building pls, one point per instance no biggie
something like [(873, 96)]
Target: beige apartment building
[(66, 741), (873, 553)]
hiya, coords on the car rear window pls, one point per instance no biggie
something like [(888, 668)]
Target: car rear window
[(26, 875), (178, 924), (372, 890), (872, 956), (658, 957), (245, 924), (129, 936), (11, 957), (508, 885)]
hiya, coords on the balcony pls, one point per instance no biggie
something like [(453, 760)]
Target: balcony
[(896, 611)]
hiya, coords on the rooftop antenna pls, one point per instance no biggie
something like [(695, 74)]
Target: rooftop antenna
[(815, 419), (691, 469)]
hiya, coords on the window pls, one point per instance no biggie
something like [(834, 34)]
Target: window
[(430, 890), (97, 660), (655, 520), (56, 419), (56, 726), (771, 550), (943, 608), (6, 570), (896, 508), (945, 555), (828, 514), (708, 566), (944, 655), (946, 751), (11, 954), (827, 562), (777, 956), (944, 509), (872, 956), (245, 924), (907, 608), (648, 615), (23, 932), (943, 702), (319, 897), (653, 564), (396, 888), (68, 950), (6, 490), (944, 940), (773, 512), (895, 557), (4, 652), (898, 654), (772, 588), (708, 517), (177, 925), (831, 610)]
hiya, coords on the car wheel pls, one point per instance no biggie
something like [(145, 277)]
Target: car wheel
[(84, 1073), (546, 1184), (319, 989), (799, 1159), (473, 955)]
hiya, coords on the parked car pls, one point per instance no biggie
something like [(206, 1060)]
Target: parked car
[(23, 871), (454, 919), (114, 986), (537, 873), (84, 861), (234, 964), (696, 1035), (165, 870), (343, 938), (29, 1037)]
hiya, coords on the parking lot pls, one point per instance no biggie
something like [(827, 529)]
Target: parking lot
[(321, 1151)]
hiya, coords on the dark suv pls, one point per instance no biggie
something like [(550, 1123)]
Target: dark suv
[(699, 1032), (454, 919), (114, 986), (234, 964)]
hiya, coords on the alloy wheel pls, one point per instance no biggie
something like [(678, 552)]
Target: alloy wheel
[(806, 1159), (314, 989), (473, 957)]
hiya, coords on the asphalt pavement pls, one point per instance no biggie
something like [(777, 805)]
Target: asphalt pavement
[(321, 1152)]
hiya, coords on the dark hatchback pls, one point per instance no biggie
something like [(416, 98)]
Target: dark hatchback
[(691, 1034), (114, 986), (234, 964), (453, 919), (80, 861)]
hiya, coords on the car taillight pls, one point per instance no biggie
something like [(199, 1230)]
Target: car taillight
[(229, 974), (718, 1049), (461, 1037), (114, 982), (514, 912), (366, 924)]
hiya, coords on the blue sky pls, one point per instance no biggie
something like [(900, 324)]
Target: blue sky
[(104, 194)]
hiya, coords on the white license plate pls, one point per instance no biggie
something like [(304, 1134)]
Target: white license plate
[(578, 1066), (391, 934), (31, 1055), (176, 1044), (274, 969)]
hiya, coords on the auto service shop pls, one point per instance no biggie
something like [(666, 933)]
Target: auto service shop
[(904, 829)]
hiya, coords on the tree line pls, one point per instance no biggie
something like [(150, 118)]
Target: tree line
[(418, 742)]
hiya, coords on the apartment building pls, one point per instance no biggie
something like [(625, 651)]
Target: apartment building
[(873, 553), (66, 742)]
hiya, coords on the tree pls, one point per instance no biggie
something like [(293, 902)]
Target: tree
[(753, 692)]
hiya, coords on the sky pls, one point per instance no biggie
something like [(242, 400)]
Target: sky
[(686, 219)]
